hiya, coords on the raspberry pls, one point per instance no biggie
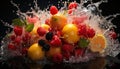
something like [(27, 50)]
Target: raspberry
[(82, 30), (56, 41), (66, 55), (58, 58), (18, 30), (53, 10), (24, 51), (41, 31), (49, 36), (12, 37), (90, 33), (11, 46), (17, 40), (26, 37), (70, 11), (72, 5), (67, 48)]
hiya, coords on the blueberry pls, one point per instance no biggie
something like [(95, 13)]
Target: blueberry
[(49, 35), (41, 42), (46, 47)]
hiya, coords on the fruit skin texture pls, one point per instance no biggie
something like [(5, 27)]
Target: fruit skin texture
[(53, 10), (57, 22), (53, 51), (67, 48), (70, 33), (57, 58), (98, 43), (18, 30), (41, 31), (35, 52)]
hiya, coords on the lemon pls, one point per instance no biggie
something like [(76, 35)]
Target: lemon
[(70, 33), (35, 52), (98, 43)]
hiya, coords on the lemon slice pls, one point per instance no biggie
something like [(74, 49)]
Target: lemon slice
[(98, 43)]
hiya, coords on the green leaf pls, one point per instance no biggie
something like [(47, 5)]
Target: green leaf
[(18, 22), (29, 27), (83, 42)]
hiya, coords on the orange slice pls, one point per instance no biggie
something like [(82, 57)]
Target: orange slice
[(98, 43)]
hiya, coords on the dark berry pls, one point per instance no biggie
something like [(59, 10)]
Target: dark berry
[(49, 36), (41, 42), (46, 47)]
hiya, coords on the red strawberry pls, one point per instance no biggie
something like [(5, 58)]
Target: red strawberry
[(78, 52), (90, 33), (58, 58), (41, 31), (82, 30), (11, 46), (70, 11), (72, 5), (113, 35), (33, 19), (12, 37), (17, 40), (56, 41), (66, 55), (26, 37), (47, 21), (53, 10), (67, 48), (18, 30)]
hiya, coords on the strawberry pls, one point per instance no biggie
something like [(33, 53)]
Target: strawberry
[(67, 48), (70, 11), (72, 5), (47, 21), (33, 19), (78, 52), (18, 30), (113, 35), (26, 37), (55, 41), (58, 58), (82, 30), (90, 33), (11, 46), (41, 31), (53, 10), (17, 40), (12, 37)]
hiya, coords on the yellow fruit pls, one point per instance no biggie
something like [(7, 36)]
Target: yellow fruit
[(70, 33), (53, 50), (98, 43), (45, 26), (35, 52), (58, 21)]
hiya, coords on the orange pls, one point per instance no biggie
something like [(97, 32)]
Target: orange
[(70, 33), (58, 21), (53, 51), (98, 43), (35, 52)]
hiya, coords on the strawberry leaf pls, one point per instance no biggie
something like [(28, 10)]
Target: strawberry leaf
[(29, 27)]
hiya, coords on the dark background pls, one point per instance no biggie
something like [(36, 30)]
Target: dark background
[(7, 14)]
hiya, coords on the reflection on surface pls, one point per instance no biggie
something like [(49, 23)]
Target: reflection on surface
[(19, 63)]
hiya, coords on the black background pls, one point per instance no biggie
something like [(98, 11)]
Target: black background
[(7, 14)]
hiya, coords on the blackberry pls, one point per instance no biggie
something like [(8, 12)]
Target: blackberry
[(46, 47), (49, 35), (41, 42)]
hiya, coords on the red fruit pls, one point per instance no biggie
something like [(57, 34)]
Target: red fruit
[(58, 33), (70, 11), (33, 19), (67, 48), (113, 35), (66, 55), (53, 10), (58, 58), (17, 40), (12, 37), (56, 41), (11, 47), (41, 31), (24, 51), (18, 30), (47, 21), (90, 33), (79, 52), (26, 37), (72, 5), (82, 30)]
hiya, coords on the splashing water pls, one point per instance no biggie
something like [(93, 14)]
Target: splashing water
[(102, 25)]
